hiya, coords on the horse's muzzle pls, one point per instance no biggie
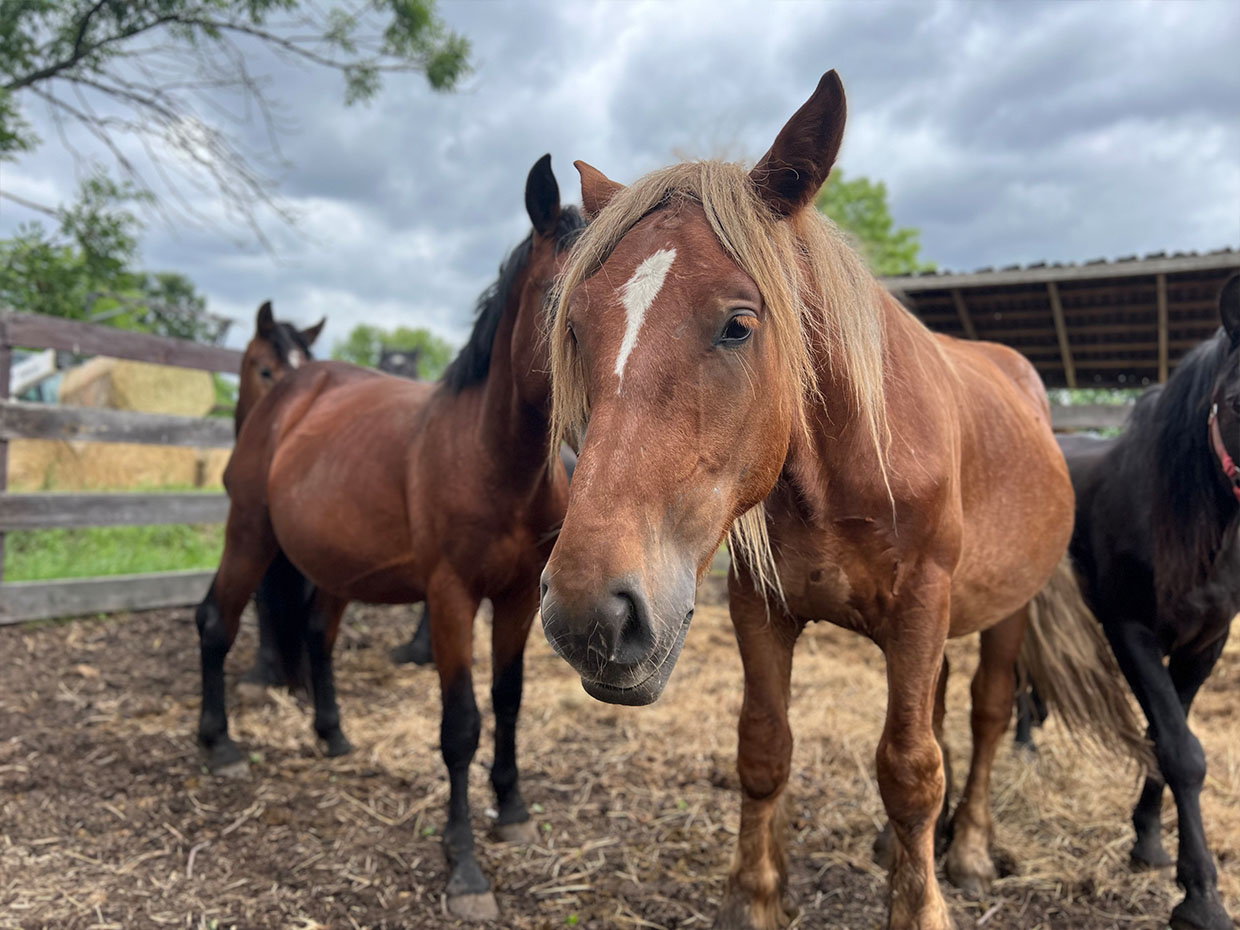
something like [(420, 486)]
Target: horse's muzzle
[(623, 643)]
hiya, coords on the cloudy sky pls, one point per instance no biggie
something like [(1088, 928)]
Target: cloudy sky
[(1007, 133)]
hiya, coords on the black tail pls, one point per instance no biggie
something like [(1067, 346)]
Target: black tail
[(283, 600)]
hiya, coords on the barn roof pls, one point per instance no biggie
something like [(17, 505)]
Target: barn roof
[(1121, 323)]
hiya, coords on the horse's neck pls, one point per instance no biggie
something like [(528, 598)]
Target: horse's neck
[(514, 430), (839, 447)]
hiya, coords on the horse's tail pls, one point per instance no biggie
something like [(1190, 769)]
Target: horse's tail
[(283, 600), (1068, 660)]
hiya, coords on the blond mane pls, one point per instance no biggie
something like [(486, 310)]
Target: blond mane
[(816, 289)]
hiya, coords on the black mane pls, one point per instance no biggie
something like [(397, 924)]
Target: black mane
[(474, 360), (1167, 438)]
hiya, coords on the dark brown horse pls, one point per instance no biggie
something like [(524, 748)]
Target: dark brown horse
[(741, 371), (284, 595), (1155, 549), (386, 490)]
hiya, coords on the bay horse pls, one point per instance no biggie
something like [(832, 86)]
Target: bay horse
[(386, 490), (741, 372), (1155, 551), (283, 596), (417, 649)]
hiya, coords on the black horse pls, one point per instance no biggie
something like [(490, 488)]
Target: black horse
[(1156, 556)]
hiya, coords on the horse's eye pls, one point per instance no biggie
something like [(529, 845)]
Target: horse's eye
[(266, 373), (738, 329), (572, 333)]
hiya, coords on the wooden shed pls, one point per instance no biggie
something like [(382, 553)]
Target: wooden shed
[(1116, 324)]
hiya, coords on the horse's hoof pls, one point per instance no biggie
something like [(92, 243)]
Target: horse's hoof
[(973, 887), (479, 906), (1201, 912), (226, 760), (411, 653), (972, 874), (263, 674), (740, 915), (1148, 857), (337, 745), (525, 832)]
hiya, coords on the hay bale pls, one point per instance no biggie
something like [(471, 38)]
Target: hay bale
[(38, 465), (123, 385), (57, 465)]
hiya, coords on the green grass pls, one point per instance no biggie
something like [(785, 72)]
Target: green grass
[(37, 555)]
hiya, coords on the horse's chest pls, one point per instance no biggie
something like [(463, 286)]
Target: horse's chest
[(825, 579)]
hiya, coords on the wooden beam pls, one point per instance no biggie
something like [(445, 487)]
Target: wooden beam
[(20, 420), (962, 312), (1089, 416), (1162, 327), (1061, 330), (33, 330), (59, 511), (1222, 262), (72, 597)]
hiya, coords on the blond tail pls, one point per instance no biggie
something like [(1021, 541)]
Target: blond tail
[(1067, 658)]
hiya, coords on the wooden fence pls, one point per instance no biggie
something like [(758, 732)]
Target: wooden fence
[(30, 600)]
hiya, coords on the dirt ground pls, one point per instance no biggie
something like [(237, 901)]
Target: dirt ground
[(107, 819)]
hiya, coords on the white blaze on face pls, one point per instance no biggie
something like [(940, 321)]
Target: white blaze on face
[(637, 295), (294, 359)]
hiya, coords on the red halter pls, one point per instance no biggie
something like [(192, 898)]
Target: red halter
[(1224, 459)]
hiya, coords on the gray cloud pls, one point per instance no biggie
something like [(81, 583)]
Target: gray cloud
[(1007, 132)]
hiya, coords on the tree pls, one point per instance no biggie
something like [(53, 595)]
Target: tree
[(860, 208), (177, 78), (365, 343), (87, 270)]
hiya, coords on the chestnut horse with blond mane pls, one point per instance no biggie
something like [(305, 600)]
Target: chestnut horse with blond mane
[(742, 372)]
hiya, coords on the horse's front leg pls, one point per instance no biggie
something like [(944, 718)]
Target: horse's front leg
[(754, 898), (1182, 762), (452, 610), (510, 628), (910, 763)]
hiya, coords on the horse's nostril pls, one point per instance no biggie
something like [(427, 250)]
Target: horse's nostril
[(636, 640)]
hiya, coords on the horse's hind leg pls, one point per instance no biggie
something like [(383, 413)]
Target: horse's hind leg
[(510, 628), (754, 897), (969, 863), (324, 623), (452, 610), (1182, 763), (249, 546), (416, 651)]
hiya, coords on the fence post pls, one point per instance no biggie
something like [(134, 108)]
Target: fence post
[(6, 361)]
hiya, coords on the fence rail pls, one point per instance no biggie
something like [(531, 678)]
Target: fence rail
[(63, 510), (34, 600)]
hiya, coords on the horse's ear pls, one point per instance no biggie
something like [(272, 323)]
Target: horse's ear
[(1229, 308), (311, 333), (789, 175), (542, 197), (265, 325), (596, 188)]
